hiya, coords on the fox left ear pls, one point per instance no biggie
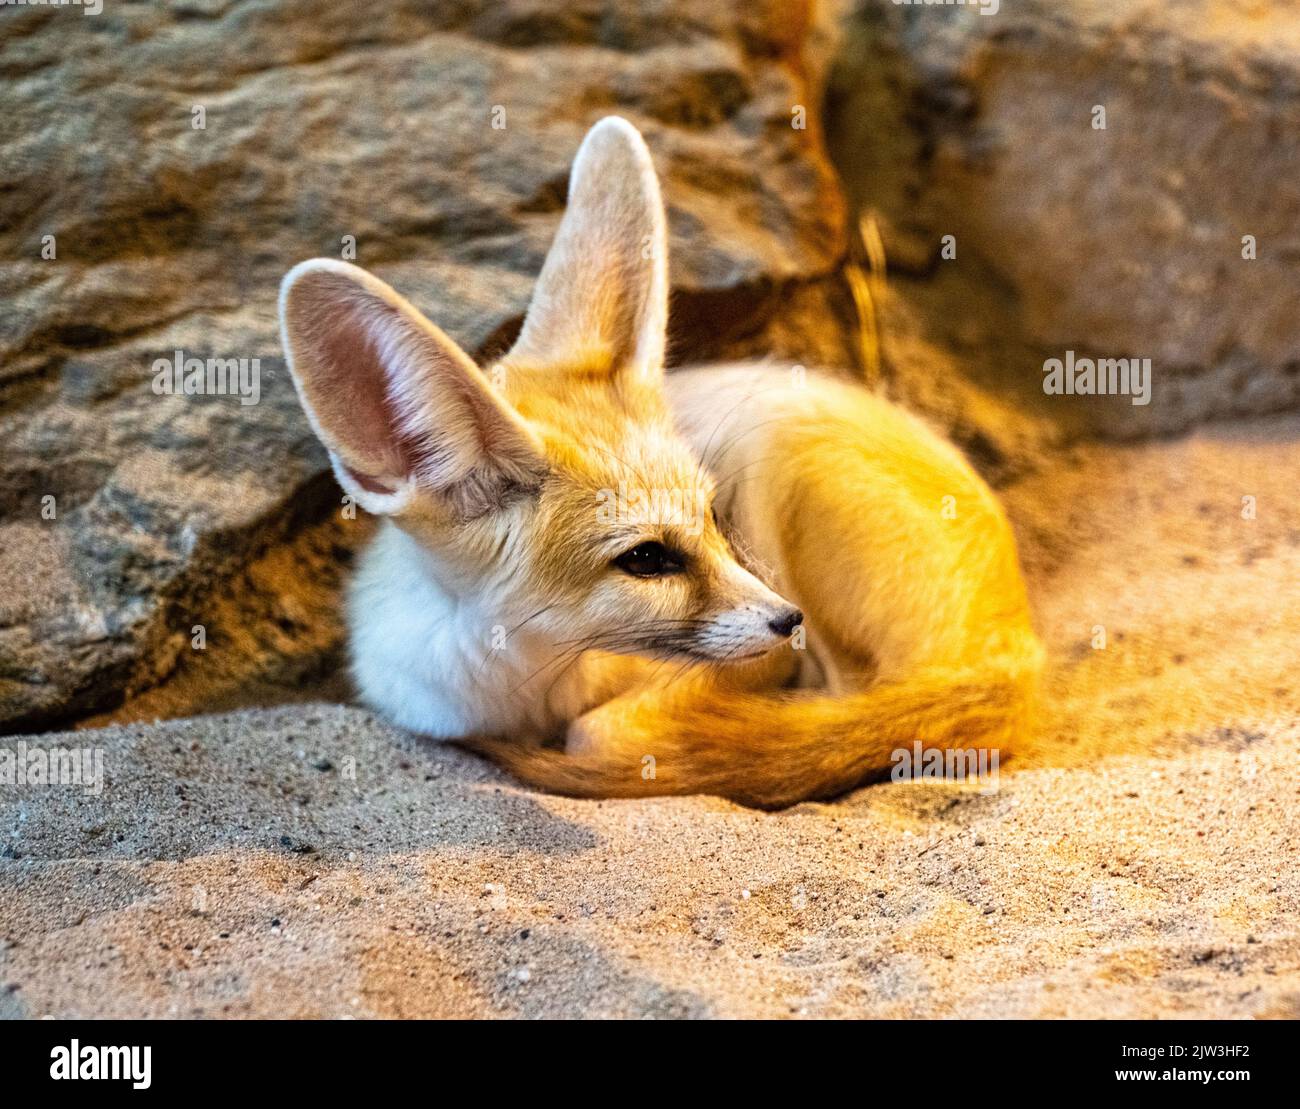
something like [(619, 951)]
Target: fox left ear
[(400, 407), (602, 297)]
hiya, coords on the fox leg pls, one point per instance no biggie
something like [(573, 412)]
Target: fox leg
[(633, 722), (659, 704)]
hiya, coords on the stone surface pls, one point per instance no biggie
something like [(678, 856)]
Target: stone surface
[(1122, 242), (320, 122)]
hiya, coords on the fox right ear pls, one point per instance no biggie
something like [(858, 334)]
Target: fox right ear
[(399, 406), (601, 301)]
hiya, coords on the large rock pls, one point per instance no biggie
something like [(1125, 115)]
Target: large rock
[(320, 122), (1122, 242)]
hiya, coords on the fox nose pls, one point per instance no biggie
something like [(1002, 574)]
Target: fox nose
[(784, 624)]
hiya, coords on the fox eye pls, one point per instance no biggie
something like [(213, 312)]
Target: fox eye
[(650, 560)]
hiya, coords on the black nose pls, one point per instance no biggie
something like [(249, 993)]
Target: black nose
[(786, 622)]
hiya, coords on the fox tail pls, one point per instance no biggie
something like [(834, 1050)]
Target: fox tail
[(773, 750)]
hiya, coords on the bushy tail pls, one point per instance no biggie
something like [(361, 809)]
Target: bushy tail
[(773, 750)]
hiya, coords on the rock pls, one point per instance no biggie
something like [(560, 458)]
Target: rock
[(1119, 242), (319, 124)]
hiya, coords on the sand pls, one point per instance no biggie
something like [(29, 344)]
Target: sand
[(1138, 860)]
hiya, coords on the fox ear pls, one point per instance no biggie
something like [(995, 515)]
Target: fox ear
[(400, 407), (602, 297)]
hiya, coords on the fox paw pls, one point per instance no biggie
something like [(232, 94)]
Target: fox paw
[(585, 738)]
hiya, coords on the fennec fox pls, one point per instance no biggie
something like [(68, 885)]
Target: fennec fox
[(735, 580)]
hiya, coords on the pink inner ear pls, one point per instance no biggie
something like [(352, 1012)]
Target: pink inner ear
[(342, 370)]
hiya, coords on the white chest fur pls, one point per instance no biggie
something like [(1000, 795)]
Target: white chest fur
[(447, 663)]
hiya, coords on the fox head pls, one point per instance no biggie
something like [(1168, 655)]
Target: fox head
[(554, 481)]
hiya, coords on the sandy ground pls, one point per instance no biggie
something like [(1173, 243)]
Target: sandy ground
[(1138, 860)]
